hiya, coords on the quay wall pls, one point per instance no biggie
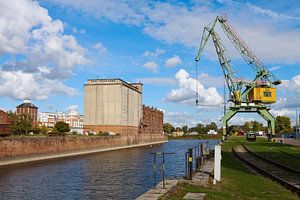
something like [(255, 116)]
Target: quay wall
[(54, 145)]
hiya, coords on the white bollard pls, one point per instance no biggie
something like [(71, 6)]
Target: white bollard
[(217, 167)]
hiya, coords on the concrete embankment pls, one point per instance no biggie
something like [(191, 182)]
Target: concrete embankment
[(19, 150)]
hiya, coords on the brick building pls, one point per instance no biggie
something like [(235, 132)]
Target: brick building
[(152, 120), (5, 124), (28, 108)]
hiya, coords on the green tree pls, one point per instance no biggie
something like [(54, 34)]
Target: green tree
[(44, 129), (168, 128), (62, 126), (283, 124), (21, 123), (185, 129), (212, 126), (200, 128)]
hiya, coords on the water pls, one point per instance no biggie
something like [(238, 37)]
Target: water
[(122, 174)]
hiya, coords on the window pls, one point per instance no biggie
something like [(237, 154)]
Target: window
[(267, 94)]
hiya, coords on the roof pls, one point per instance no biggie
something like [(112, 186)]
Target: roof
[(26, 105)]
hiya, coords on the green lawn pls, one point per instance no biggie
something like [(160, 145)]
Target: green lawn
[(238, 182), (275, 151)]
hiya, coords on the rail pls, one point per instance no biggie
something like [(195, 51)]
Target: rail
[(289, 179)]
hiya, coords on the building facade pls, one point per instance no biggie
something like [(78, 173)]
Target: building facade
[(152, 120), (112, 105), (5, 123), (28, 108), (74, 120)]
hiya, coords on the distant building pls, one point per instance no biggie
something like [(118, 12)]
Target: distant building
[(74, 120), (28, 108), (152, 121), (112, 105), (5, 123), (212, 132), (177, 133)]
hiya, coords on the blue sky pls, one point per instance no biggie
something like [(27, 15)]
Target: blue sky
[(49, 48)]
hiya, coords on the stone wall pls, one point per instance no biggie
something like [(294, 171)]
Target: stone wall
[(54, 145)]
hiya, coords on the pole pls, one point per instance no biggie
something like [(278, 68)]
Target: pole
[(190, 155), (154, 165), (163, 166)]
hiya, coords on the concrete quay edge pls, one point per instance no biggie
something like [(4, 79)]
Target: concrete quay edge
[(70, 154)]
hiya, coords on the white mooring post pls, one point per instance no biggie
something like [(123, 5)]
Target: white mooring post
[(217, 169)]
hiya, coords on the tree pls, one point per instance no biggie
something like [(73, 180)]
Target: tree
[(200, 128), (168, 128), (185, 129), (212, 126), (62, 126), (283, 124), (44, 129), (21, 123)]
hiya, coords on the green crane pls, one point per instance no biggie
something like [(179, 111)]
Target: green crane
[(247, 96)]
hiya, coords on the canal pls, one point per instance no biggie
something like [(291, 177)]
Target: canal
[(122, 174)]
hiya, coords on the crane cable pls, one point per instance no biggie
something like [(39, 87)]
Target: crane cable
[(196, 84)]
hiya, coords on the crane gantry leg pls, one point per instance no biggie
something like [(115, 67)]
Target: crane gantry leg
[(263, 111)]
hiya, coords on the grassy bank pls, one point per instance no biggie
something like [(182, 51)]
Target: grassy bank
[(197, 137), (282, 153), (238, 182)]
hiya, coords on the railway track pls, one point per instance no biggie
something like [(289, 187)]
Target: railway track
[(278, 172), (291, 155)]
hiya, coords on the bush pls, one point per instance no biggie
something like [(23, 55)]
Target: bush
[(74, 132), (103, 133), (62, 126)]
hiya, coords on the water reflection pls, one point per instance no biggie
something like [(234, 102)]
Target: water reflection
[(123, 174)]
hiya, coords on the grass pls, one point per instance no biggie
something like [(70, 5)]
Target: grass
[(237, 181), (197, 137), (275, 151)]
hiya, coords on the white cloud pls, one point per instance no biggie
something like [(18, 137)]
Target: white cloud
[(152, 66), (179, 119), (186, 91), (158, 81), (173, 61), (211, 81), (20, 85), (48, 55), (271, 13), (72, 108), (119, 12), (157, 52), (100, 48), (273, 40)]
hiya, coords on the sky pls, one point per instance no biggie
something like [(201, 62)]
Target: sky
[(49, 48)]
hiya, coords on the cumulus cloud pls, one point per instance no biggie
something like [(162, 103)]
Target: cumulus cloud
[(152, 66), (21, 85), (173, 61), (211, 81), (157, 52), (187, 87), (179, 119), (47, 55), (158, 81), (72, 108), (100, 48)]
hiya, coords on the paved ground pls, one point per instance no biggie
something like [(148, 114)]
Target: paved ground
[(290, 141), (200, 179), (194, 196), (156, 193)]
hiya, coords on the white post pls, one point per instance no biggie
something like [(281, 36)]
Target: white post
[(217, 167)]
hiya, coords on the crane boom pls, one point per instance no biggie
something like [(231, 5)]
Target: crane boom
[(263, 78)]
